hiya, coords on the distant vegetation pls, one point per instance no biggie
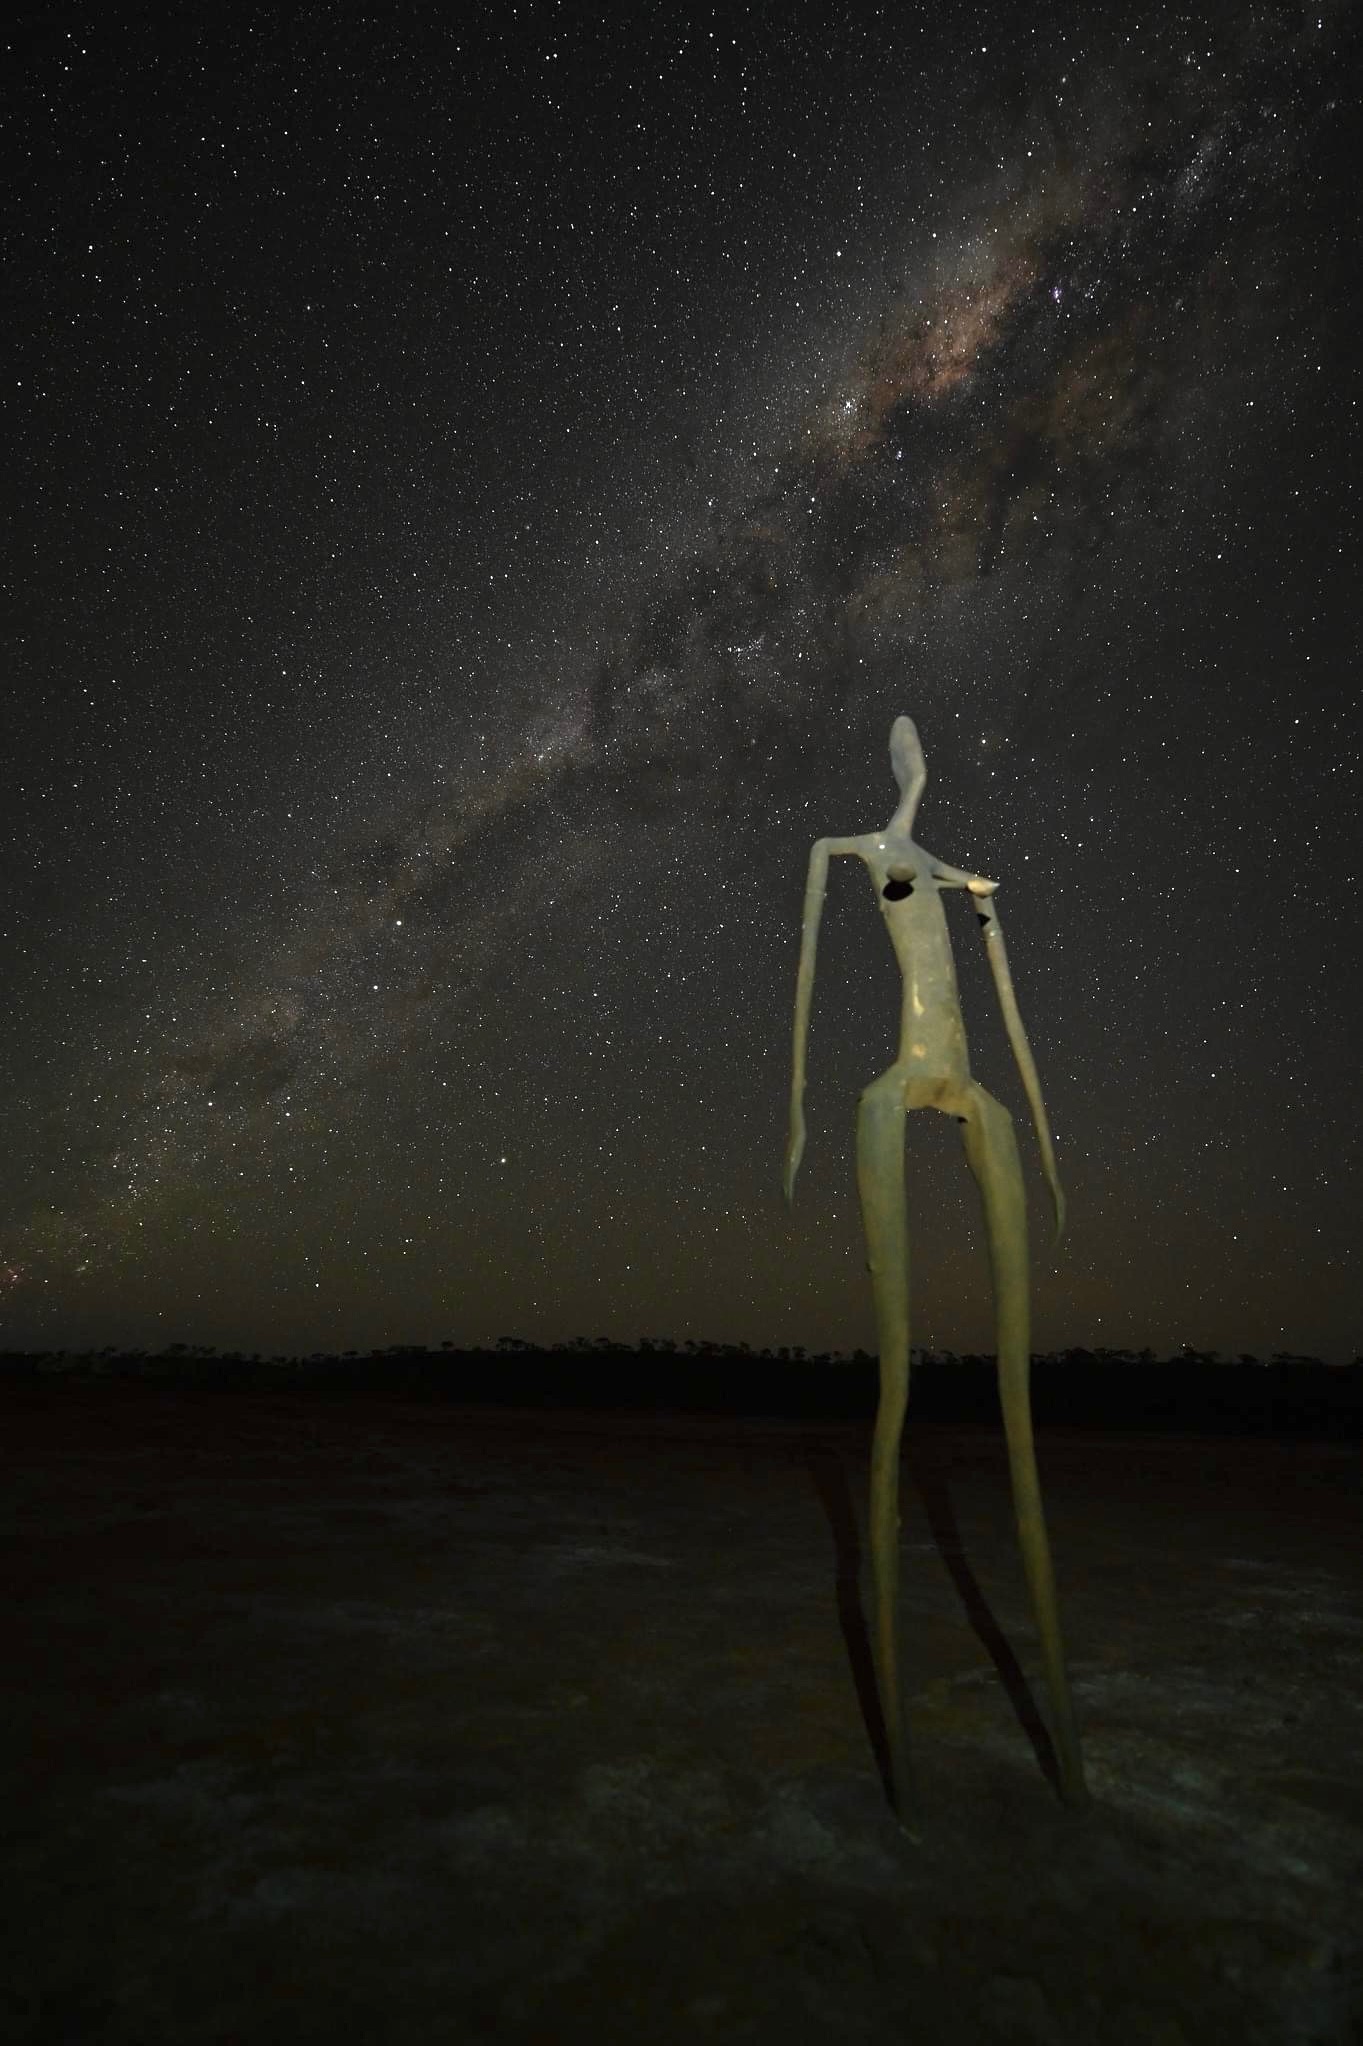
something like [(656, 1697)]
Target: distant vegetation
[(1195, 1392)]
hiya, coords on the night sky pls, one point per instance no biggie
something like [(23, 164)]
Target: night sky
[(479, 484)]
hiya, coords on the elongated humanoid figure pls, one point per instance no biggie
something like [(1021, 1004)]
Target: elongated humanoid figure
[(932, 1070)]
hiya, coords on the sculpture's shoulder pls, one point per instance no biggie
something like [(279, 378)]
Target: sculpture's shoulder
[(862, 846)]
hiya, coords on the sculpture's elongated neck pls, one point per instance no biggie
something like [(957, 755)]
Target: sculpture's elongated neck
[(902, 822)]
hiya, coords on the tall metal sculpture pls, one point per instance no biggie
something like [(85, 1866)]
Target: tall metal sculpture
[(932, 1070)]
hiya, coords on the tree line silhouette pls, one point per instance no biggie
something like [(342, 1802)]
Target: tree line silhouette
[(1193, 1391)]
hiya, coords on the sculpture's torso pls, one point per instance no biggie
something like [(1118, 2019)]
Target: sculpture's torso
[(932, 1040)]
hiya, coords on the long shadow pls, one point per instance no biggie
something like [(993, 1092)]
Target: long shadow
[(828, 1474), (930, 1481)]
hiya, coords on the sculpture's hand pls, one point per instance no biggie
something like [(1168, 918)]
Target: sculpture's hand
[(795, 1151)]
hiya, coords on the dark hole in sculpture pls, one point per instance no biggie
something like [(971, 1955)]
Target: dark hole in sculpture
[(899, 884)]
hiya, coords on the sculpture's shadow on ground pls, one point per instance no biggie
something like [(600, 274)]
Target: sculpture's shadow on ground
[(829, 1476)]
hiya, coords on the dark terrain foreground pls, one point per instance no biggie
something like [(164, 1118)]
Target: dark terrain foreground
[(405, 1722)]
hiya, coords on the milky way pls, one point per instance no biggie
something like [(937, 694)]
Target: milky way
[(952, 491)]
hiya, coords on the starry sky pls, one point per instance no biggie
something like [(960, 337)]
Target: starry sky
[(480, 483)]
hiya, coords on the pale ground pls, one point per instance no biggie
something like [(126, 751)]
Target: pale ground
[(398, 1722)]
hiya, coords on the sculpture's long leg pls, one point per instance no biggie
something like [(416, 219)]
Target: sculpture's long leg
[(991, 1147), (880, 1179)]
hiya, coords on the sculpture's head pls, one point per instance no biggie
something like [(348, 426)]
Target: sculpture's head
[(910, 771)]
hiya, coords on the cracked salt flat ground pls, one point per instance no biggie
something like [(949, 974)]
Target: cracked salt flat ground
[(353, 1734)]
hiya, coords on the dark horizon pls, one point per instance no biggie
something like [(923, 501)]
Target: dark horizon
[(1287, 1397), (666, 1346)]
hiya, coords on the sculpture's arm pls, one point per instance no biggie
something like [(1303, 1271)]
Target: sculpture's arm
[(992, 930), (804, 990)]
